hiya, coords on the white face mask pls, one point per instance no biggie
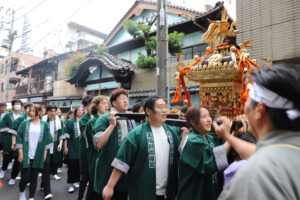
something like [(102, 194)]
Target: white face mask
[(17, 107)]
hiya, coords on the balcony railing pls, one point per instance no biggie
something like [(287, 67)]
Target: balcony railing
[(36, 87)]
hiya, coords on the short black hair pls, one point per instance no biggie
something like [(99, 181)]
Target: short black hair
[(232, 154), (3, 104), (87, 100), (184, 109), (50, 107), (150, 102), (284, 80), (16, 101), (137, 106), (28, 105)]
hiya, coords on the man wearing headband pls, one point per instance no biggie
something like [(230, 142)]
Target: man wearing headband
[(273, 110)]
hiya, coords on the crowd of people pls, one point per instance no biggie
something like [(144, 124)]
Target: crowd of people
[(112, 157)]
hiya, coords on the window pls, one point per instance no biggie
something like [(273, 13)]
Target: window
[(93, 92), (106, 92), (14, 64), (190, 52)]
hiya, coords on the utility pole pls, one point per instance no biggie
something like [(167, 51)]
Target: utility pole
[(162, 51), (11, 37)]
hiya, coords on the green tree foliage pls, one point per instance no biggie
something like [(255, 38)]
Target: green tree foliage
[(101, 49), (145, 61), (175, 43), (131, 27), (141, 30), (75, 59)]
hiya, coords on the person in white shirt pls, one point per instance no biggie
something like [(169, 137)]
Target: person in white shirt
[(33, 142), (149, 157), (54, 155)]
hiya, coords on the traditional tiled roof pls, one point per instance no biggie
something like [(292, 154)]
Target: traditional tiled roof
[(55, 59), (142, 93), (57, 98), (198, 23), (170, 5), (121, 70), (191, 88), (151, 3)]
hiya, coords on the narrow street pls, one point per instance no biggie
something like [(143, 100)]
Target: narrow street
[(58, 188)]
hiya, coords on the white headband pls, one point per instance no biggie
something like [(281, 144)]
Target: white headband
[(273, 100)]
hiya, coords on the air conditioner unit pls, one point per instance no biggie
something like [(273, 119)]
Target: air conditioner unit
[(5, 43)]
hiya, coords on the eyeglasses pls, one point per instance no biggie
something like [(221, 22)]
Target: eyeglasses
[(161, 107), (122, 98)]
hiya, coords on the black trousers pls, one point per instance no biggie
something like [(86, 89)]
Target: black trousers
[(29, 175), (91, 194), (84, 179), (45, 184), (53, 166), (73, 171), (161, 197), (120, 196), (7, 158), (116, 196)]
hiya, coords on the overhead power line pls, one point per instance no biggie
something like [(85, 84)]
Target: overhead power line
[(30, 10), (24, 5)]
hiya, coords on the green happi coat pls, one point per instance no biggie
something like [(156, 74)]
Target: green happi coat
[(44, 142), (72, 134), (59, 135), (15, 125), (83, 162), (136, 158), (8, 120), (108, 152), (2, 129), (199, 166), (92, 151)]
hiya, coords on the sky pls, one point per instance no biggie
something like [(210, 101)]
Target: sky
[(48, 17)]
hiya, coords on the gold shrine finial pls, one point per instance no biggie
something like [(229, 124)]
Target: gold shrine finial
[(218, 30)]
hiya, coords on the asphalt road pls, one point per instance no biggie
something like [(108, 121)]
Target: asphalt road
[(58, 188)]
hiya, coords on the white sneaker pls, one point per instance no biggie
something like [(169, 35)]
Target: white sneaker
[(12, 182), (49, 196), (10, 165), (31, 198), (58, 170), (76, 185), (40, 174), (18, 178), (2, 173), (22, 196), (71, 189), (55, 177)]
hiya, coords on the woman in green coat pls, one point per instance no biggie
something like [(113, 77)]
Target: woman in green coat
[(201, 160), (72, 135), (33, 141)]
